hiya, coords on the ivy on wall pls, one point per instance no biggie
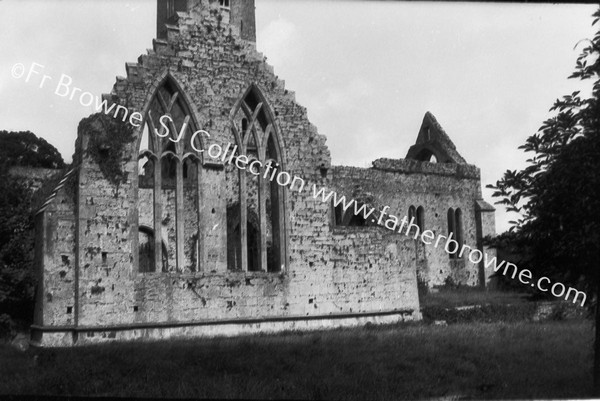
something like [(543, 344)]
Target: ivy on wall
[(108, 138)]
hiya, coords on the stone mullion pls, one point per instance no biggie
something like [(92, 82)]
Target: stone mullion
[(262, 213), (243, 217), (179, 216), (281, 224), (158, 256), (263, 186), (199, 202)]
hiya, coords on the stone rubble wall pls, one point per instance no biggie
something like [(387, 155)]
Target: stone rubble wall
[(328, 271), (400, 184)]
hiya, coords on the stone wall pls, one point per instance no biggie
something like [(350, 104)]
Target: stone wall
[(55, 259), (400, 184)]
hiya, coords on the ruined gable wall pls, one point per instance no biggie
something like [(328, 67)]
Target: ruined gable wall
[(55, 260), (105, 213), (437, 187), (215, 67)]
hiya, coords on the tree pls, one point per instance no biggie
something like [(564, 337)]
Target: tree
[(17, 281), (16, 252), (26, 149), (558, 193)]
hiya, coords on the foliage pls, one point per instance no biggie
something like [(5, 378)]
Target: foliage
[(7, 326), (17, 279), (558, 193), (26, 149), (16, 248), (512, 248), (108, 137)]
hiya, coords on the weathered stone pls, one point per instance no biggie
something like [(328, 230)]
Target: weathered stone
[(185, 245)]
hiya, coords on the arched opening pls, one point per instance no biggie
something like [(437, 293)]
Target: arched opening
[(421, 218), (427, 155), (347, 218), (412, 219), (168, 180), (458, 226), (259, 242), (146, 251), (455, 227)]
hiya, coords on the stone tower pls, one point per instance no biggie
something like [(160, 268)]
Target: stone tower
[(237, 13)]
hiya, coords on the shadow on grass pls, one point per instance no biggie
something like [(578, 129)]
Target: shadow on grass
[(515, 360)]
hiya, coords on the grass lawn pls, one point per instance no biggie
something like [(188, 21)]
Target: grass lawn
[(510, 360)]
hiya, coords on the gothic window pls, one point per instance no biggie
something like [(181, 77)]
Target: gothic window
[(412, 219), (421, 218), (255, 217), (347, 218), (169, 172), (455, 227), (224, 4), (458, 226)]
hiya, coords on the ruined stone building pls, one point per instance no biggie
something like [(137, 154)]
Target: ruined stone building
[(147, 237)]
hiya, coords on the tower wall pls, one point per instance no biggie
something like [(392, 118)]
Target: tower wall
[(240, 14)]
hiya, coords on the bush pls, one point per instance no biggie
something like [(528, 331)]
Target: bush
[(7, 327)]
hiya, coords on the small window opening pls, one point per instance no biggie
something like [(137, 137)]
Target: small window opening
[(455, 227), (224, 4), (170, 8), (347, 218)]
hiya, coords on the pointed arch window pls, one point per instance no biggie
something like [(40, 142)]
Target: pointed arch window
[(455, 227), (255, 220), (421, 218), (348, 218), (169, 174), (412, 219)]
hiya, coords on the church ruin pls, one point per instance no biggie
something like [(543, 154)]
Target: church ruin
[(146, 237)]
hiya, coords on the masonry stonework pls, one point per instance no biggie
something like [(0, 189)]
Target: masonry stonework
[(186, 245)]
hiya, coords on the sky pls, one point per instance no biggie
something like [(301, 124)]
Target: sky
[(367, 71)]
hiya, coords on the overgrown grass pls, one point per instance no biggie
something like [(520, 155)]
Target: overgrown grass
[(517, 360)]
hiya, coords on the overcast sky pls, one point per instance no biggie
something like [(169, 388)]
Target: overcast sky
[(366, 70)]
